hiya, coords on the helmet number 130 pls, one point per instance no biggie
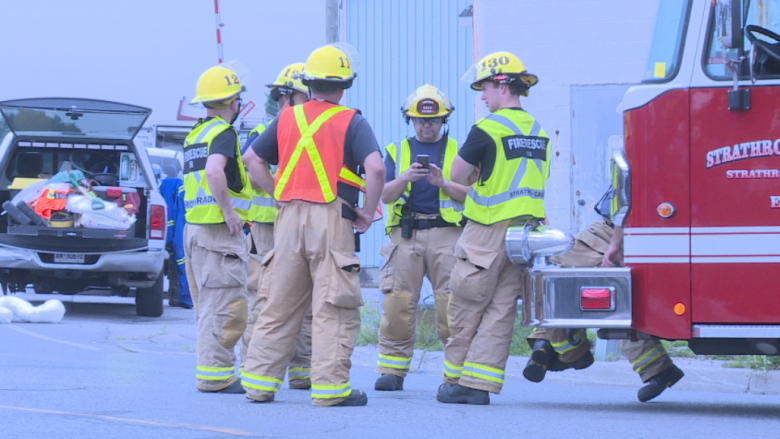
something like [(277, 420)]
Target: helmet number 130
[(495, 62)]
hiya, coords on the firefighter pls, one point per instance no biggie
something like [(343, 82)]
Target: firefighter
[(217, 196), (424, 225), (286, 90), (318, 146), (507, 155), (601, 244)]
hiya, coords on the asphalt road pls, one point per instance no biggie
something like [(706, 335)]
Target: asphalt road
[(104, 372)]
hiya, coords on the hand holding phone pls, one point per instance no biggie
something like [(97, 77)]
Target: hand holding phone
[(424, 160)]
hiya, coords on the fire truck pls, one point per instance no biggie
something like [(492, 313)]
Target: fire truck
[(696, 190)]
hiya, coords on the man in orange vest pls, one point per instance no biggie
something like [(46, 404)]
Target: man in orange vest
[(318, 147)]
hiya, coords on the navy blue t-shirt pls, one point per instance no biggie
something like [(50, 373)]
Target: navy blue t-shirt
[(424, 197)]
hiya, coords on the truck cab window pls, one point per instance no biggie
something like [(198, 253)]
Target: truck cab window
[(668, 40), (760, 23)]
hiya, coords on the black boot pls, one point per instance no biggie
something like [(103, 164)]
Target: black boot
[(389, 382), (236, 387), (356, 398), (581, 363), (457, 394), (657, 384), (540, 361)]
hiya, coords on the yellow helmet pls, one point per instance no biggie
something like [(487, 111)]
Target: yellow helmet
[(218, 83), (501, 67), (290, 78), (334, 64), (427, 101)]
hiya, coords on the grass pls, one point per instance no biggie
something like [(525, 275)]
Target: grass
[(163, 331), (369, 326)]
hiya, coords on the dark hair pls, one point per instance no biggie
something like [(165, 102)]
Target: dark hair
[(518, 87), (328, 85)]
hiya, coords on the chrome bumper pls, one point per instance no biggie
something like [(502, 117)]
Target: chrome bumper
[(145, 261), (555, 298)]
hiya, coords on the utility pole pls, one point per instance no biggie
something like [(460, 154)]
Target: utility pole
[(331, 21), (219, 25)]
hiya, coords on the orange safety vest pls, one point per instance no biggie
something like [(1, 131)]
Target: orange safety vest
[(311, 152)]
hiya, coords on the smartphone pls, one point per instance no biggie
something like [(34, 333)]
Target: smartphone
[(424, 160)]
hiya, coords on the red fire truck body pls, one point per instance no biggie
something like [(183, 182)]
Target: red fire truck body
[(700, 191)]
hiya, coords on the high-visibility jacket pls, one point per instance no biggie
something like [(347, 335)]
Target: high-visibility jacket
[(202, 207), (515, 188), (319, 129), (263, 209), (451, 210)]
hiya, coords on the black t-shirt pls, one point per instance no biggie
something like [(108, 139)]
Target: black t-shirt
[(225, 144), (359, 143), (424, 197), (480, 150)]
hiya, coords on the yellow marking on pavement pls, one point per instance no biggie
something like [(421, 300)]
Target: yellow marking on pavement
[(137, 421), (43, 337)]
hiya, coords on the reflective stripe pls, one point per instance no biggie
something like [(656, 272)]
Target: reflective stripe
[(263, 201), (352, 179), (486, 373), (171, 222), (452, 370), (647, 359), (328, 392), (209, 125), (394, 362), (299, 373), (505, 121), (215, 373), (207, 200), (563, 347), (181, 261), (513, 192), (307, 142), (259, 382), (451, 204)]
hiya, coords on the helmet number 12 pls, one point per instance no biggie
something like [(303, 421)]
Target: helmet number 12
[(235, 79)]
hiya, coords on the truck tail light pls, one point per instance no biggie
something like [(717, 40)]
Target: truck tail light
[(597, 298), (158, 223)]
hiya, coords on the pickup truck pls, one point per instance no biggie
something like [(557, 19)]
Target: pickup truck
[(51, 135)]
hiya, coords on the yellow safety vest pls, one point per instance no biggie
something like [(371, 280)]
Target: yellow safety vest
[(451, 210), (515, 188), (202, 207), (263, 209)]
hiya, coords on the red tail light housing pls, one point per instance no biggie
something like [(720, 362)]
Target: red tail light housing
[(597, 298), (158, 222)]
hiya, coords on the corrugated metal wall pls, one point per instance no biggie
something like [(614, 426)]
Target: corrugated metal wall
[(404, 44)]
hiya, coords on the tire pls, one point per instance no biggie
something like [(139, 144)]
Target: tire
[(149, 301)]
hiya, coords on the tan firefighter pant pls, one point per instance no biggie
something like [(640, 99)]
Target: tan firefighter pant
[(299, 370), (216, 271), (429, 252), (647, 357), (313, 264), (485, 287)]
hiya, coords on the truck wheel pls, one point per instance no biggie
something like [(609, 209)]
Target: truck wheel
[(149, 301)]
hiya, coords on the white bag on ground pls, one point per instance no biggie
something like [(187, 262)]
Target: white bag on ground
[(50, 311)]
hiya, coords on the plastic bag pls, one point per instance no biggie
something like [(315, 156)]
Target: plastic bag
[(95, 220), (84, 204)]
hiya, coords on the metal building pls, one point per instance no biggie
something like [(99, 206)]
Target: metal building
[(404, 44)]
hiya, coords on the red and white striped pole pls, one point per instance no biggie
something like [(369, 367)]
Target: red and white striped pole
[(219, 34)]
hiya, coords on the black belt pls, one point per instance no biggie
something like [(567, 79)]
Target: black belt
[(430, 223)]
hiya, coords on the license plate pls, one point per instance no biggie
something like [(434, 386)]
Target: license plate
[(68, 258)]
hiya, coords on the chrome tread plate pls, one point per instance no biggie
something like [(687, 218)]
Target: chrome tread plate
[(736, 331)]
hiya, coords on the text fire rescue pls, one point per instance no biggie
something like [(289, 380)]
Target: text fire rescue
[(741, 151)]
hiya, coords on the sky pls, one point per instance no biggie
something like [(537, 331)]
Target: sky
[(149, 52)]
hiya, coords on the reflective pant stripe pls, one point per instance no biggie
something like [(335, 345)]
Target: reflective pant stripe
[(394, 362), (452, 370), (486, 373), (259, 382), (215, 373), (329, 392), (299, 373), (647, 359), (171, 222), (563, 347)]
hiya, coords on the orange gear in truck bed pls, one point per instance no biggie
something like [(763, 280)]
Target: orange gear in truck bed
[(50, 201)]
